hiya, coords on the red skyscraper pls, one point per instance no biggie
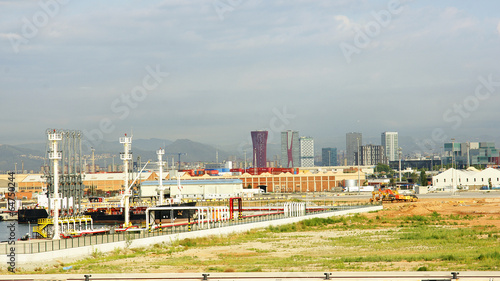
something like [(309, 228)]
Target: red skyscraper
[(259, 141)]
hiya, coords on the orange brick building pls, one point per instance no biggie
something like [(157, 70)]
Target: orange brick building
[(305, 181)]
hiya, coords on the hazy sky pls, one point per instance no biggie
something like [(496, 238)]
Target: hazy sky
[(212, 71)]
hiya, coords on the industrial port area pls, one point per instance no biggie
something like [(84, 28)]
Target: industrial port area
[(179, 215), (249, 140)]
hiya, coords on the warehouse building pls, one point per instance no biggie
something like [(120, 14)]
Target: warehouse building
[(469, 179), (190, 188)]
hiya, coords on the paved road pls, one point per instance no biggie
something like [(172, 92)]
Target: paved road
[(367, 195)]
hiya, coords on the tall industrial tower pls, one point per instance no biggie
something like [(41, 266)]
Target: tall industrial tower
[(259, 141), (306, 152), (290, 149), (352, 141), (391, 145)]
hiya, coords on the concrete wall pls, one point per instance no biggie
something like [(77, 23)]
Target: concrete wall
[(31, 261), (421, 189)]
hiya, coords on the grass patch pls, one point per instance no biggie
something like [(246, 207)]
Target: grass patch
[(350, 243)]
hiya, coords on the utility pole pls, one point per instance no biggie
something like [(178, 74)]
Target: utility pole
[(468, 156), (399, 152), (359, 184), (93, 160), (432, 158), (453, 183)]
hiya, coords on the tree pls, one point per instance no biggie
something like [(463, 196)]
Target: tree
[(392, 182), (414, 177), (383, 168), (423, 178)]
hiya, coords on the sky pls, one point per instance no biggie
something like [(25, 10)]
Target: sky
[(212, 71)]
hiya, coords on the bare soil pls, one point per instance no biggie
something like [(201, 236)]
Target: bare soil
[(485, 211), (296, 244)]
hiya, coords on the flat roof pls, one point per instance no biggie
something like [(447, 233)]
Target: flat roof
[(195, 182)]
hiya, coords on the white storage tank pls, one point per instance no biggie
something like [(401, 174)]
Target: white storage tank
[(350, 183)]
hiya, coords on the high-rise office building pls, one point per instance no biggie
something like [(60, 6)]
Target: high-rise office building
[(329, 156), (290, 149), (464, 154), (352, 141), (306, 151), (259, 141), (391, 145), (371, 155)]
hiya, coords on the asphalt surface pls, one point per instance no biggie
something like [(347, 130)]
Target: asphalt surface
[(368, 195)]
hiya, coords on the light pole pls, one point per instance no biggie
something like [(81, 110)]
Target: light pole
[(452, 165), (399, 153), (432, 158), (468, 154), (245, 164), (359, 184)]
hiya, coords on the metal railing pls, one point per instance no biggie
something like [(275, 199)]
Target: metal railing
[(41, 246)]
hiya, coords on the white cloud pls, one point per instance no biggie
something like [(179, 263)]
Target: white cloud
[(450, 13), (345, 23), (287, 50), (10, 36)]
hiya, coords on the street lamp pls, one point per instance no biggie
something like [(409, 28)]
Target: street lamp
[(399, 153), (452, 169), (359, 184), (432, 161)]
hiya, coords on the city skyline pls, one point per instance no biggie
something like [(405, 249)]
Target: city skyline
[(174, 70)]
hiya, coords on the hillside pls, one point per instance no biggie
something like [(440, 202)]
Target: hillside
[(29, 158), (32, 155)]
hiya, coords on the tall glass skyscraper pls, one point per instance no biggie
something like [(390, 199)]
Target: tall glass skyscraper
[(259, 141), (352, 141), (329, 156)]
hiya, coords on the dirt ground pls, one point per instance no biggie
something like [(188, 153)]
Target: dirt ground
[(485, 212)]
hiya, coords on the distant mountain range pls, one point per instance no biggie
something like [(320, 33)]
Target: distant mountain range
[(18, 156), (31, 156)]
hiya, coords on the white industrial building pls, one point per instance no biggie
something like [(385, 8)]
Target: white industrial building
[(470, 178), (193, 188)]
